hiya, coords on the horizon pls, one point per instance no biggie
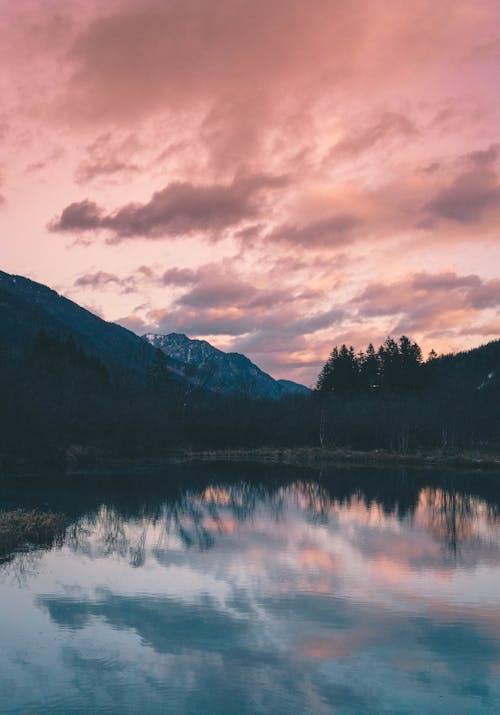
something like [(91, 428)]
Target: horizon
[(238, 180), (311, 385)]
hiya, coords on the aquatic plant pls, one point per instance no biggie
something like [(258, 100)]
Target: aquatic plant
[(26, 529)]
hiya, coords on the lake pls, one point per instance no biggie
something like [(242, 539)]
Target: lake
[(255, 589)]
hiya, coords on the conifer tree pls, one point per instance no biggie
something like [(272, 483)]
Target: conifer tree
[(369, 369)]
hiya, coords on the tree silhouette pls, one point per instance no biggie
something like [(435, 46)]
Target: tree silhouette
[(395, 366), (369, 369)]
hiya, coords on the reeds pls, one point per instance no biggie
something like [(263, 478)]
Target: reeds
[(23, 529)]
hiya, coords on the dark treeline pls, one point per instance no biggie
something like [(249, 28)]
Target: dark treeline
[(58, 401), (392, 399), (394, 366)]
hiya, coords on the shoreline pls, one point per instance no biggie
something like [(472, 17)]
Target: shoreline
[(316, 457), (87, 460)]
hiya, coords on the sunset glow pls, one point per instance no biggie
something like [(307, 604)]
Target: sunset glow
[(272, 176)]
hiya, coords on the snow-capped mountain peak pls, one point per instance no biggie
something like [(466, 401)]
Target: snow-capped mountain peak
[(227, 373)]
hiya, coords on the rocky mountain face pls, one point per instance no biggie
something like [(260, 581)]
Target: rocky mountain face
[(226, 373)]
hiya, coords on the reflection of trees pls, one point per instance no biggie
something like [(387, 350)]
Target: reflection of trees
[(126, 523), (457, 518), (186, 518), (21, 566), (106, 532), (195, 517)]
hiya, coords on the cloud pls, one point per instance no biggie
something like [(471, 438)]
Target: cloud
[(221, 305), (290, 335), (466, 200), (162, 104), (78, 216), (48, 160), (471, 194), (101, 280), (179, 277), (447, 280), (180, 208), (108, 157), (389, 126), (486, 294), (424, 301), (214, 289), (487, 329), (335, 230), (181, 52), (207, 321)]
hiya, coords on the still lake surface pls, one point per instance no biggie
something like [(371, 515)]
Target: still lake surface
[(256, 589)]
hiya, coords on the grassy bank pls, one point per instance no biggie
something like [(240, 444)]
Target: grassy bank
[(81, 459), (21, 529), (317, 457)]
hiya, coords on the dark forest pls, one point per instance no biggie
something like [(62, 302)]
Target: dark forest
[(57, 401)]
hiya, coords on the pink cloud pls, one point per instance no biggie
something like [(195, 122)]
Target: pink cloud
[(180, 208), (178, 119)]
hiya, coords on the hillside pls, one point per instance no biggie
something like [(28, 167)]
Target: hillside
[(27, 307)]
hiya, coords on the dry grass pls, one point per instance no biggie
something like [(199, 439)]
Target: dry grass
[(20, 529), (317, 457)]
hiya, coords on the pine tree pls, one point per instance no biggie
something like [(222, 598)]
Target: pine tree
[(369, 369), (325, 378), (410, 356), (388, 354), (394, 366), (340, 373)]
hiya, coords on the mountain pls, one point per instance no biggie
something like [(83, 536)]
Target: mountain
[(27, 307), (477, 368), (293, 388), (226, 373)]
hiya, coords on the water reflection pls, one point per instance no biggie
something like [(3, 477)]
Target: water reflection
[(261, 592), (465, 527)]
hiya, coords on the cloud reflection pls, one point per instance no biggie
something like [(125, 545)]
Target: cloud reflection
[(273, 592)]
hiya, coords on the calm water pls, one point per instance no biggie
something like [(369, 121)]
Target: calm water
[(258, 591)]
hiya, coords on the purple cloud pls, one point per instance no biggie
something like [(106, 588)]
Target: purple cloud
[(178, 209)]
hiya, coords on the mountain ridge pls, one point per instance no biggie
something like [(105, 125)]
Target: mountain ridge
[(226, 372), (28, 307)]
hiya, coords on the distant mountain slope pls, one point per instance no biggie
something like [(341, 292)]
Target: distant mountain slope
[(478, 368), (226, 373), (27, 307), (293, 388)]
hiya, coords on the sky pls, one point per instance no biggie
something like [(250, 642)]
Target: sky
[(273, 176)]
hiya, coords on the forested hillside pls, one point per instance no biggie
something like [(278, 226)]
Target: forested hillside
[(391, 398)]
